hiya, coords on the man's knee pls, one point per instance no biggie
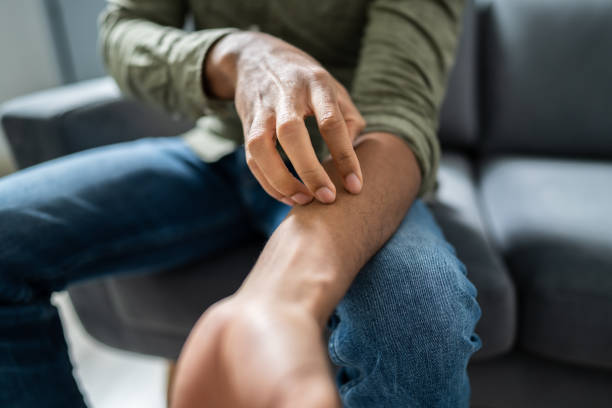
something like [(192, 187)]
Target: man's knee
[(411, 305), (25, 249)]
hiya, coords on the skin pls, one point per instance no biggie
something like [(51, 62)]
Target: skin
[(263, 347), (275, 86)]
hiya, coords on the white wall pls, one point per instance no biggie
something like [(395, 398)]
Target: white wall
[(80, 24), (27, 56)]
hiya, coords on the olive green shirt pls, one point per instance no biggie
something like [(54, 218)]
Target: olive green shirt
[(394, 56)]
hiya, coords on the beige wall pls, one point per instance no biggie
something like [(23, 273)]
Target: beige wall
[(27, 56)]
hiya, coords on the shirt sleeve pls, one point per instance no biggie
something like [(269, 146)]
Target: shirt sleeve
[(407, 52), (153, 59)]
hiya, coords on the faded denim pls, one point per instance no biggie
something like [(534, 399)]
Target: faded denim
[(401, 337)]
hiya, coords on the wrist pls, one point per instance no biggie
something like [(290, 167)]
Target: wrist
[(220, 65), (297, 271)]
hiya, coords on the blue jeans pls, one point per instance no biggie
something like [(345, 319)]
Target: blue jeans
[(401, 337)]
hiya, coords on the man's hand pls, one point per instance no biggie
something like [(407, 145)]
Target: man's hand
[(275, 86), (247, 354)]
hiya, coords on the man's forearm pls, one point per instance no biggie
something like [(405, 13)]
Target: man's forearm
[(316, 252)]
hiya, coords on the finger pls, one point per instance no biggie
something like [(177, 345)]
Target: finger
[(294, 139), (252, 129), (265, 184), (355, 123), (262, 151), (258, 129), (336, 135)]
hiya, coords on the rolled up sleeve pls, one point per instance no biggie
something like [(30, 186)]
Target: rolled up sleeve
[(153, 59), (407, 52)]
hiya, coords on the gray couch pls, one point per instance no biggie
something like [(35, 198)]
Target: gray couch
[(525, 196)]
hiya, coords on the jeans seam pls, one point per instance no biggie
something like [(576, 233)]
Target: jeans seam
[(338, 360)]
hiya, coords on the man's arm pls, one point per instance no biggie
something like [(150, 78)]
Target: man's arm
[(263, 346), (152, 58), (315, 253), (407, 53)]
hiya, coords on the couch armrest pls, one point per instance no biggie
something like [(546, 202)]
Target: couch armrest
[(64, 120)]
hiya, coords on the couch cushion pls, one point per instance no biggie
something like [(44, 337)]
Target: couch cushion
[(552, 220), (456, 210), (59, 121), (523, 380), (459, 114), (546, 67), (154, 313)]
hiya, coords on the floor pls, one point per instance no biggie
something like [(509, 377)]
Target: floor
[(111, 378)]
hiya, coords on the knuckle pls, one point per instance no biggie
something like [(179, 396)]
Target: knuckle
[(319, 75), (361, 123), (345, 157), (284, 184), (312, 176), (358, 124), (342, 89), (289, 124), (343, 94), (255, 142), (330, 121)]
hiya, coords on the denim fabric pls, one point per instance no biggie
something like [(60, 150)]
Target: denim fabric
[(402, 336)]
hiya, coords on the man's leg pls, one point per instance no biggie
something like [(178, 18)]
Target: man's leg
[(144, 205), (403, 334)]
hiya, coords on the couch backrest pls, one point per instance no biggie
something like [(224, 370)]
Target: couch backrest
[(547, 77), (459, 115)]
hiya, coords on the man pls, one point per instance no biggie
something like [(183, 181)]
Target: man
[(349, 241)]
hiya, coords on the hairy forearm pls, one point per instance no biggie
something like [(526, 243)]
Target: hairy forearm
[(316, 252)]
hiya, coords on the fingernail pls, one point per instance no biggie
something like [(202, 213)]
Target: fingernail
[(301, 198), (353, 184), (288, 202), (325, 195)]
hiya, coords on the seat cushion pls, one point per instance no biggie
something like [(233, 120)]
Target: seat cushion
[(154, 313), (523, 380), (68, 119), (551, 219), (459, 113), (456, 210), (546, 77)]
